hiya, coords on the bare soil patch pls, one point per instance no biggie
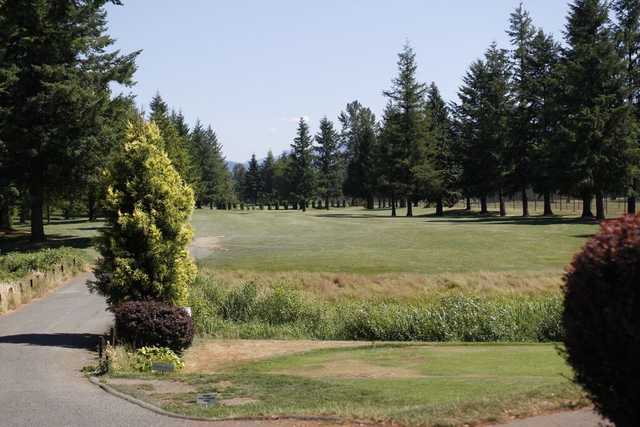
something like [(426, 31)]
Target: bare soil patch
[(202, 247), (211, 356)]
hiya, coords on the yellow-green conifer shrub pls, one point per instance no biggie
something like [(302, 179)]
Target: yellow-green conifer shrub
[(147, 208)]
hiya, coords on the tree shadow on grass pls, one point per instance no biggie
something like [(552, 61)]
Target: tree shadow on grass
[(19, 242), (64, 340)]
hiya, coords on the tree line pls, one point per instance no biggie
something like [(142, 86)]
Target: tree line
[(540, 116)]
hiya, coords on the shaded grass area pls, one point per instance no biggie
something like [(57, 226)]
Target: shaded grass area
[(357, 241), (408, 384)]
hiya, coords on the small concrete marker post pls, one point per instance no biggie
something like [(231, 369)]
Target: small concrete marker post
[(206, 399), (163, 367)]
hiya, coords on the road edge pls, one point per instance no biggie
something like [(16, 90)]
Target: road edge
[(146, 405)]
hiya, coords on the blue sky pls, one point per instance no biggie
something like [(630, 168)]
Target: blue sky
[(251, 68)]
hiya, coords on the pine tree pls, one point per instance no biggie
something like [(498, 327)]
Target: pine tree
[(359, 139), (439, 173), (598, 123), (483, 122), (405, 129), (545, 112), (302, 165), (327, 161), (267, 178), (521, 144), (238, 177), (252, 180), (628, 38), (174, 144), (55, 71)]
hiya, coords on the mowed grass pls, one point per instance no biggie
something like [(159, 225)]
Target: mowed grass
[(354, 240), (420, 384)]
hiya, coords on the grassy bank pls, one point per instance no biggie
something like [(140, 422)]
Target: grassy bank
[(249, 311), (407, 384)]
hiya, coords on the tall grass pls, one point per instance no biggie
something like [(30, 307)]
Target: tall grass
[(280, 312), (15, 265)]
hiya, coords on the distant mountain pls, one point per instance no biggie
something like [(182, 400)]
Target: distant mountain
[(231, 164)]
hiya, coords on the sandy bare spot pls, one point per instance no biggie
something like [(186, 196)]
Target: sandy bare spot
[(201, 247), (154, 386), (209, 356), (352, 369)]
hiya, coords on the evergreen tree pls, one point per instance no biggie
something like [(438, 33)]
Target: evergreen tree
[(628, 38), (267, 179), (282, 179), (209, 165), (302, 165), (238, 176), (252, 180), (55, 76), (545, 112), (521, 144), (483, 121), (359, 139), (404, 129), (438, 174), (328, 161), (598, 126), (174, 144), (147, 206)]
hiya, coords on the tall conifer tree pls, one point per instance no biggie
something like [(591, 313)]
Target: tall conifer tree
[(598, 125), (327, 161), (302, 165)]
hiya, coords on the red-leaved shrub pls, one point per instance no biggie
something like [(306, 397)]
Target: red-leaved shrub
[(152, 323), (602, 320)]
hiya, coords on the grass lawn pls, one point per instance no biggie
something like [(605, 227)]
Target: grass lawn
[(358, 241), (418, 384)]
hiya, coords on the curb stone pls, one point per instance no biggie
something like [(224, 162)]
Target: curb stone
[(146, 405)]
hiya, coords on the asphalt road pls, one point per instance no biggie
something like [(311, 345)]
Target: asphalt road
[(43, 347)]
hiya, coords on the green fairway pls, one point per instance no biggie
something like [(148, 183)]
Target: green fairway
[(359, 241), (420, 384)]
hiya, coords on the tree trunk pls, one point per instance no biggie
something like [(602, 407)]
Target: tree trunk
[(393, 204), (600, 213), (326, 202), (587, 213), (303, 205), (483, 204), (409, 208), (548, 211), (503, 208), (36, 191), (5, 216), (439, 208), (370, 204), (525, 203), (631, 205), (91, 206), (468, 207)]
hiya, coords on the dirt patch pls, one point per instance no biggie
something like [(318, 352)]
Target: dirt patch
[(214, 355), (154, 386), (352, 369), (202, 247)]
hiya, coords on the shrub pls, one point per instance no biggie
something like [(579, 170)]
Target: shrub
[(240, 303), (145, 357), (147, 208), (602, 319), (152, 323)]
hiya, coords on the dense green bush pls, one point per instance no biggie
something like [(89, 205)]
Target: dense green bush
[(145, 357), (153, 323), (147, 207), (602, 320), (14, 265), (280, 312)]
